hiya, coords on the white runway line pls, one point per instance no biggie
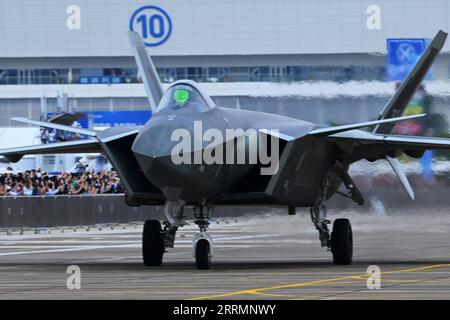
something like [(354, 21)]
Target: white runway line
[(129, 244), (104, 240), (75, 242), (65, 250)]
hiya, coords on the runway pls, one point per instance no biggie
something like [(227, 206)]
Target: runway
[(266, 257)]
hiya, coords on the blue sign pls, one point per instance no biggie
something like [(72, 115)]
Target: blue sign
[(102, 79), (112, 118), (402, 55), (153, 24)]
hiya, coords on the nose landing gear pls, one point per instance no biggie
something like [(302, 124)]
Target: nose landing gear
[(156, 239), (202, 244)]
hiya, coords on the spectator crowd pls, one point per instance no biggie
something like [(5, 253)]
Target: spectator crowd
[(38, 183)]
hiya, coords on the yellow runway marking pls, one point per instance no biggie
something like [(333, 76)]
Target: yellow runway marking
[(315, 282), (270, 294), (384, 280)]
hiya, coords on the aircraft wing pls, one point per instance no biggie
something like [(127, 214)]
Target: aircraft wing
[(78, 146), (91, 145), (333, 130), (56, 126), (393, 141), (66, 118), (358, 144)]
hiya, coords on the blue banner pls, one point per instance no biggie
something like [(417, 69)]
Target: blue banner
[(402, 54), (100, 80), (112, 118)]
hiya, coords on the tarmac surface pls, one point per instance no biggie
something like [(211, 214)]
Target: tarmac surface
[(266, 257)]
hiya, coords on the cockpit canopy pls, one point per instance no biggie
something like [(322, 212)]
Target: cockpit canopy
[(184, 96)]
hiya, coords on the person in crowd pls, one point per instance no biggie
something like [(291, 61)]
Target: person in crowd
[(37, 183), (44, 135)]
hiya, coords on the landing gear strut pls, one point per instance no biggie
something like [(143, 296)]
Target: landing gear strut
[(202, 244), (319, 218), (156, 239), (340, 242), (319, 214)]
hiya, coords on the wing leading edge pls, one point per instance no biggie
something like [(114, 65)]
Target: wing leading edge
[(57, 126), (78, 146), (347, 127), (392, 142)]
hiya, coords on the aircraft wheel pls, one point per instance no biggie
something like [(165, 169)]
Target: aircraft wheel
[(342, 242), (202, 254), (152, 243)]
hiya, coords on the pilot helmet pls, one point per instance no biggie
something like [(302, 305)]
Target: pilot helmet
[(181, 97)]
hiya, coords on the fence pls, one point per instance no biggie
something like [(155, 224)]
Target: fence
[(65, 210), (51, 211)]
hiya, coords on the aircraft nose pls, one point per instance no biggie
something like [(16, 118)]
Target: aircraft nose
[(153, 150), (155, 141), (173, 179)]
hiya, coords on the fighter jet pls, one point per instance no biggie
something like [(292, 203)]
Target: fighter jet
[(195, 154)]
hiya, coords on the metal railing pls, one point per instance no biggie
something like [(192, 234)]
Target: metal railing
[(66, 210)]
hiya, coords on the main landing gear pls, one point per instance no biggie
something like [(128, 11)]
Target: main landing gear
[(156, 239), (152, 243), (340, 241)]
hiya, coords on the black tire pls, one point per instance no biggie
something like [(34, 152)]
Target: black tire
[(342, 242), (152, 243), (202, 256)]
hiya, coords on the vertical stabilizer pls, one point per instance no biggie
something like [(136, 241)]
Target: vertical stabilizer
[(147, 70), (403, 95)]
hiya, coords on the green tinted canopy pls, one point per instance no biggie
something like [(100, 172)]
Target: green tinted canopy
[(181, 96)]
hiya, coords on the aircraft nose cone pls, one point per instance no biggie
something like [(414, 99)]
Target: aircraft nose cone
[(155, 141)]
